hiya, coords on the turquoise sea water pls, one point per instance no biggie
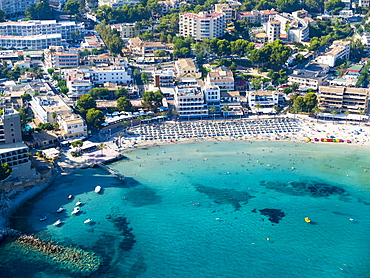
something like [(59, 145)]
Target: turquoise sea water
[(194, 210)]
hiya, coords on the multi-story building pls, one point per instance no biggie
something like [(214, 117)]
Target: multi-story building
[(10, 127), (338, 50), (203, 25), (364, 3), (168, 5), (78, 88), (212, 95), (266, 99), (256, 16), (221, 77), (340, 99), (100, 75), (365, 38), (71, 126), (189, 102), (119, 75), (15, 6), (187, 69), (126, 30), (230, 13), (295, 28), (307, 79), (117, 3), (59, 57), (12, 150), (164, 78), (273, 30), (34, 42), (41, 27), (46, 108)]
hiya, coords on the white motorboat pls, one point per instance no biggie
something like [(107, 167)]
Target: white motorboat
[(87, 220), (60, 209), (75, 210), (97, 189), (78, 203), (57, 223)]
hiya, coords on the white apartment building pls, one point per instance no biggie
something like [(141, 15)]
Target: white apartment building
[(202, 26), (221, 77), (267, 100), (365, 39), (189, 102), (126, 30), (164, 78), (10, 127), (338, 50), (364, 3), (15, 6), (34, 42), (273, 30), (212, 94), (117, 3), (44, 107), (256, 16), (78, 88), (230, 14), (112, 74), (297, 29), (307, 79), (71, 126), (167, 5), (59, 57), (100, 75), (40, 27)]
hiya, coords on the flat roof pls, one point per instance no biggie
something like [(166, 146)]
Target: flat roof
[(12, 147)]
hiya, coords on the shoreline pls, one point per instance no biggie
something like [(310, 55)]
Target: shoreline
[(309, 128)]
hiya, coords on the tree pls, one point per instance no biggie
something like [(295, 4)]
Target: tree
[(121, 92), (144, 77), (77, 144), (71, 7), (99, 93), (26, 97), (333, 113), (2, 16), (357, 50), (334, 6), (153, 99), (258, 106), (299, 104), (40, 10), (101, 147), (86, 102), (347, 113), (160, 53), (95, 118), (64, 90), (316, 110), (310, 101), (5, 171), (213, 110), (50, 71), (124, 104), (256, 83)]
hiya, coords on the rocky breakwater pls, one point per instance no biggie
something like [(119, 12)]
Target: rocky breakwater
[(74, 260)]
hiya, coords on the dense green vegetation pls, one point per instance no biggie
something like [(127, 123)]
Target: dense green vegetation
[(40, 10), (111, 38), (5, 171)]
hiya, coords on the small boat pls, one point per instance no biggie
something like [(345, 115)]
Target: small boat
[(307, 220), (97, 189), (87, 220), (70, 197), (75, 210), (57, 223), (43, 218), (79, 203), (60, 209)]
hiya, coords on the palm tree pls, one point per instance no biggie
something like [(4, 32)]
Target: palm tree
[(225, 109), (333, 113), (201, 112), (212, 109), (347, 113), (101, 147), (176, 113), (316, 110), (362, 112), (276, 109), (120, 139), (258, 106)]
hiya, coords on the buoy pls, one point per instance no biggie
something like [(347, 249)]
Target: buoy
[(267, 238)]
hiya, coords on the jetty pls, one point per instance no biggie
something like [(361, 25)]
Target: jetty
[(110, 171)]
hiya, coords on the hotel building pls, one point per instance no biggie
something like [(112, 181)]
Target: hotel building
[(203, 25), (34, 42), (59, 57), (15, 6)]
